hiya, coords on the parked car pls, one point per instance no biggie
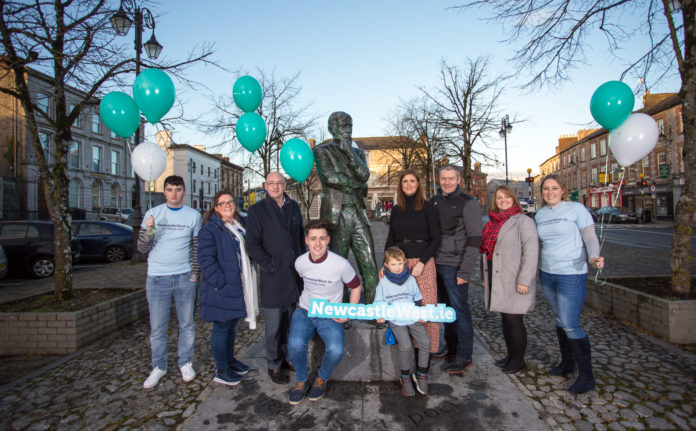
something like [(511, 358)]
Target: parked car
[(120, 215), (616, 215), (29, 246), (3, 263), (385, 215), (104, 239)]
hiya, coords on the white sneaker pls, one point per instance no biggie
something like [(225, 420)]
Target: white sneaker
[(155, 375), (187, 372)]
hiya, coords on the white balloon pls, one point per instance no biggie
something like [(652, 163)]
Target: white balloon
[(634, 139), (148, 161)]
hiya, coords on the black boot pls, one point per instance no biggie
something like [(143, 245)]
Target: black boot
[(517, 333), (567, 365), (582, 355)]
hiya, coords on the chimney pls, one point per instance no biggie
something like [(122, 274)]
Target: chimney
[(477, 166), (199, 147), (312, 142)]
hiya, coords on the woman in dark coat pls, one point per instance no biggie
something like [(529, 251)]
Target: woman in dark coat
[(222, 292), (414, 227)]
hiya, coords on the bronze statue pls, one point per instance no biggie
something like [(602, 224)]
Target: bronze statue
[(343, 172)]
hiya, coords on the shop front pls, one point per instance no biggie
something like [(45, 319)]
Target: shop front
[(655, 199), (603, 196)]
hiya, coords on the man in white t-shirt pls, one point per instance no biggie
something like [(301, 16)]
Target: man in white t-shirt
[(169, 235), (324, 274)]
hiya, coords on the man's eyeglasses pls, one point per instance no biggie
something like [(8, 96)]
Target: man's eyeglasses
[(270, 184), (225, 204)]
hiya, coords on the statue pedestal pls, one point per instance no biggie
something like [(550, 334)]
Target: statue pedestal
[(367, 358)]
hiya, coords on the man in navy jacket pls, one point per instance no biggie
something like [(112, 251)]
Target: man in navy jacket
[(275, 238)]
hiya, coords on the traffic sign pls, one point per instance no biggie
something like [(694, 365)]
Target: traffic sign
[(653, 188)]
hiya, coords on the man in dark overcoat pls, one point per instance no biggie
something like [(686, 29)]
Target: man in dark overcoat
[(274, 239)]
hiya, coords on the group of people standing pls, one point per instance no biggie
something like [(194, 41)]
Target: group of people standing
[(432, 247)]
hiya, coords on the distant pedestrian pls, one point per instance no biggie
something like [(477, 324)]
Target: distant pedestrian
[(399, 286), (228, 284), (511, 247), (169, 234), (274, 240), (460, 229), (414, 227), (568, 240)]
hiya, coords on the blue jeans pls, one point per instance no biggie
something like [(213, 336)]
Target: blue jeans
[(459, 334), (222, 343), (160, 290), (302, 329), (566, 297)]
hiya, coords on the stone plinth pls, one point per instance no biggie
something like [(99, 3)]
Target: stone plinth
[(367, 357)]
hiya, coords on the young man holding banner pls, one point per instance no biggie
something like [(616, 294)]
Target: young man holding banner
[(324, 274)]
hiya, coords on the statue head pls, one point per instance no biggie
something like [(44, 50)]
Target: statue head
[(340, 125)]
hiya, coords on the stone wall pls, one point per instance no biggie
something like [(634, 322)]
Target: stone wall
[(62, 333), (674, 320)]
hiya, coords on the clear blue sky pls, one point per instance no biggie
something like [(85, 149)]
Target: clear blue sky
[(362, 56)]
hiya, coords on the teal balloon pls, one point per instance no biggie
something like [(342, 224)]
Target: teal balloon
[(251, 131), (120, 113), (247, 93), (297, 159), (611, 104), (153, 91)]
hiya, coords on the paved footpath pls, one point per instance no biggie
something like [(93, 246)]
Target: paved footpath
[(643, 383)]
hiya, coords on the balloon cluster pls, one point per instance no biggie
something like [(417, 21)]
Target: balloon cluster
[(153, 95), (296, 156), (632, 136)]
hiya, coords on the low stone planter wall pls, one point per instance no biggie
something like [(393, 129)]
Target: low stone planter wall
[(62, 333), (674, 320)]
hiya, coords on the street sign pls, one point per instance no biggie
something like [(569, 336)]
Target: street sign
[(602, 178), (664, 171), (653, 189)]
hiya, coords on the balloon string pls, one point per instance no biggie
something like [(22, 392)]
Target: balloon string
[(602, 235)]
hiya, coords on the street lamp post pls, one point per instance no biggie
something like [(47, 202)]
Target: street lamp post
[(121, 22), (529, 182), (505, 128)]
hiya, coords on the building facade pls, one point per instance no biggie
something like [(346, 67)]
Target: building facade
[(594, 178), (98, 161)]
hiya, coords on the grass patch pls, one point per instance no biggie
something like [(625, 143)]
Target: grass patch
[(657, 286)]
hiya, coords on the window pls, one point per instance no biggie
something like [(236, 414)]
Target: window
[(631, 172), (595, 177), (75, 123), (582, 154), (115, 192), (43, 102), (114, 162), (94, 229), (74, 193), (646, 166), (602, 147), (75, 155), (45, 143), (201, 169), (96, 124), (193, 190), (208, 171), (661, 126), (615, 172), (593, 150), (96, 158), (661, 158), (208, 186), (113, 135), (96, 195), (13, 231)]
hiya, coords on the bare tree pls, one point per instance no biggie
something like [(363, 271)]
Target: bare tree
[(307, 191), (467, 108), (555, 37), (285, 118), (73, 43), (423, 140)]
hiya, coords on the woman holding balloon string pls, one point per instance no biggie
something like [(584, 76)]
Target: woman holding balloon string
[(568, 241), (228, 285)]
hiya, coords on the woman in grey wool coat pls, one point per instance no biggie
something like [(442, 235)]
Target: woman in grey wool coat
[(510, 246)]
